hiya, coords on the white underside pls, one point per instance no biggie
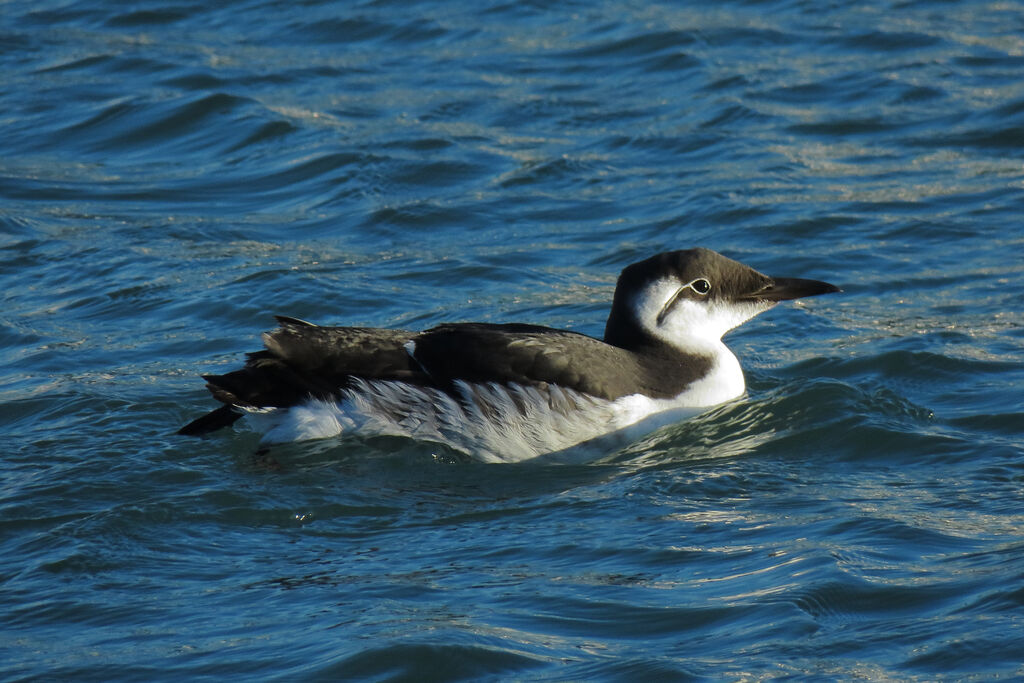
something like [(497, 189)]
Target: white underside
[(498, 423)]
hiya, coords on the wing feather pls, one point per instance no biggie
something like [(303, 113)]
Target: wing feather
[(302, 360), (532, 355)]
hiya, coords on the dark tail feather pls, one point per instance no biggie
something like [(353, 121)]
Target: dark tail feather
[(225, 416)]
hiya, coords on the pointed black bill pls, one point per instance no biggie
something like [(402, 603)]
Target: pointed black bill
[(786, 288)]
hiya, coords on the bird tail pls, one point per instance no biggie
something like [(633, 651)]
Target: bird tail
[(224, 416), (264, 382)]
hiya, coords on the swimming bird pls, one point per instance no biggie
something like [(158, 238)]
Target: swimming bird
[(510, 392)]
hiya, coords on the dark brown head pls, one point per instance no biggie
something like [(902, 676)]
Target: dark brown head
[(690, 299)]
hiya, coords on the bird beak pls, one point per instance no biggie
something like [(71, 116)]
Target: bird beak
[(786, 288)]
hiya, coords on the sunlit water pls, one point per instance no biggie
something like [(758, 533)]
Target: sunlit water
[(173, 174)]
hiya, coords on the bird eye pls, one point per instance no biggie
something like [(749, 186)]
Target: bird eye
[(701, 286)]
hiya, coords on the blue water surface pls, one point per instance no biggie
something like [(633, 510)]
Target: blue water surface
[(173, 174)]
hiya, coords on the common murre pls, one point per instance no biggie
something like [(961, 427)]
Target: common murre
[(509, 392)]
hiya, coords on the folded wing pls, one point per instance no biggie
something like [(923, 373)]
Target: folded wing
[(302, 360), (534, 355)]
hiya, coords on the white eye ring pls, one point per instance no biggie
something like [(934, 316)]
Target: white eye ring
[(700, 286)]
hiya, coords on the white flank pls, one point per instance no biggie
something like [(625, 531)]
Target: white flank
[(498, 423)]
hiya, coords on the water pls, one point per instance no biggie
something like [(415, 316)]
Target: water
[(173, 175)]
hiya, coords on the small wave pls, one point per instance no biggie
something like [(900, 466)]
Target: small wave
[(140, 18), (137, 125), (925, 366), (331, 30), (887, 41), (817, 418), (853, 600), (412, 661)]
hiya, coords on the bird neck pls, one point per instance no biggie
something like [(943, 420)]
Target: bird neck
[(623, 332)]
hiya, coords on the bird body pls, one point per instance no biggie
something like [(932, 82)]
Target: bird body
[(510, 392)]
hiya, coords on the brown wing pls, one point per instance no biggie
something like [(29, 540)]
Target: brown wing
[(531, 355), (303, 360)]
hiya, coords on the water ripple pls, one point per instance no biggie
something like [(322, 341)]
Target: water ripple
[(174, 175)]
